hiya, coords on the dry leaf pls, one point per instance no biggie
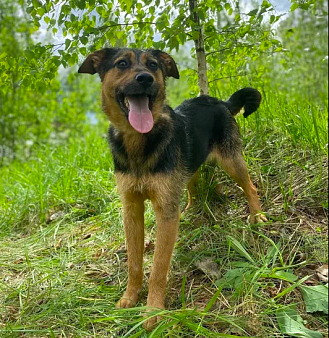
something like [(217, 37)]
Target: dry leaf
[(70, 265), (208, 267), (322, 273), (19, 260), (59, 243), (149, 246), (55, 216)]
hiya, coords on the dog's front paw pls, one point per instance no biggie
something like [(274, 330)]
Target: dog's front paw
[(127, 301), (257, 218), (151, 323), (153, 317)]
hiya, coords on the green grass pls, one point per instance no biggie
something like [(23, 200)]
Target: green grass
[(62, 257)]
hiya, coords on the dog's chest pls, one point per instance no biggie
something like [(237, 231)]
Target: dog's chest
[(151, 185), (140, 155)]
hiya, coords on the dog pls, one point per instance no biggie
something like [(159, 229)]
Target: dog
[(157, 151)]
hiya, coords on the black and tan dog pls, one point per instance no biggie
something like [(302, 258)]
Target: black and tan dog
[(158, 150)]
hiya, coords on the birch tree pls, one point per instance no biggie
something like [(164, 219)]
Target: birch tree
[(87, 25)]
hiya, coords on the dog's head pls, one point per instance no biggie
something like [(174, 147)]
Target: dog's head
[(133, 84)]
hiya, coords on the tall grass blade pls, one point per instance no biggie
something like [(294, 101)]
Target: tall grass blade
[(239, 248)]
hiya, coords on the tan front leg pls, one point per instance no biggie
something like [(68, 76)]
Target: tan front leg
[(133, 219), (236, 167), (167, 216)]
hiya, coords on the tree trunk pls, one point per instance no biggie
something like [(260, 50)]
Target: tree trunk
[(200, 52)]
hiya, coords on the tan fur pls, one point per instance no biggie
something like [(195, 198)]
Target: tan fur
[(133, 219), (164, 192), (149, 185), (191, 189), (236, 167)]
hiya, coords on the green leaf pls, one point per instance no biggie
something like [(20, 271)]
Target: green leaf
[(41, 11), (316, 298), (227, 6), (26, 81), (160, 24), (238, 247), (81, 4), (201, 15), (292, 287), (213, 300), (253, 12), (229, 279), (182, 37), (29, 9), (56, 60), (266, 4), (293, 7), (287, 276), (29, 54), (36, 4), (139, 6), (83, 50), (195, 35), (84, 40), (242, 264), (291, 324), (305, 6), (3, 55), (67, 43)]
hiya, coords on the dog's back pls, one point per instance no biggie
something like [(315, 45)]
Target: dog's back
[(210, 124)]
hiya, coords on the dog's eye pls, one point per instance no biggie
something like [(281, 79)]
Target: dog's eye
[(122, 64), (153, 65)]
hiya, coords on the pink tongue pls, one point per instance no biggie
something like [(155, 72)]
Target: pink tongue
[(140, 116)]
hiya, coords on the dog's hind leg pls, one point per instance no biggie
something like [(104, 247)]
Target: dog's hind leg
[(236, 167), (191, 189), (133, 219)]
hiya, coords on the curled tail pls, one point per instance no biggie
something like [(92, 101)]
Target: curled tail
[(248, 97)]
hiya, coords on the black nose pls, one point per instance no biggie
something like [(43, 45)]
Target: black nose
[(144, 79)]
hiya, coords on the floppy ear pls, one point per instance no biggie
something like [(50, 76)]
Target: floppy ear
[(168, 63), (94, 61)]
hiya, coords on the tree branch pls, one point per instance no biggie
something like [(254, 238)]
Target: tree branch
[(228, 77), (126, 24), (217, 51)]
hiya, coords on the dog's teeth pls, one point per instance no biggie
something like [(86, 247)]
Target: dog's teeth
[(126, 102)]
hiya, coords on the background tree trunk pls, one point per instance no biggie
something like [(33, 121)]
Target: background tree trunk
[(200, 52)]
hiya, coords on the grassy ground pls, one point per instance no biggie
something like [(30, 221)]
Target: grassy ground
[(62, 252)]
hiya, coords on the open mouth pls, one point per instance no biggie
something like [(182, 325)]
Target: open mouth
[(139, 110)]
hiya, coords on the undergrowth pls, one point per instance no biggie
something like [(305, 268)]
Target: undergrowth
[(62, 252)]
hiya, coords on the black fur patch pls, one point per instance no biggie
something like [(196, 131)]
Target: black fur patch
[(196, 127), (249, 98)]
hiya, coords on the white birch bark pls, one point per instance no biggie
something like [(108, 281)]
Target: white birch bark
[(200, 52)]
